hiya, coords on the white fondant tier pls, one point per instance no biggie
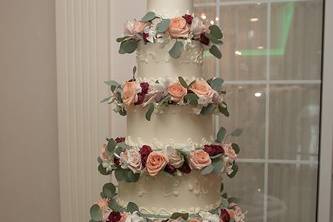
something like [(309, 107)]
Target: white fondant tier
[(154, 61), (177, 126), (166, 194), (170, 8)]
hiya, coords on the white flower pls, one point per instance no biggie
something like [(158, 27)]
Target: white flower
[(135, 218), (175, 158), (208, 217), (197, 27), (131, 159)]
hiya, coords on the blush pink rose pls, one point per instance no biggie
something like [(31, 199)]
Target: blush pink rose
[(203, 90), (132, 159), (104, 153), (104, 205), (199, 159), (156, 162), (197, 27), (129, 93), (123, 217), (177, 92), (134, 27), (175, 158), (229, 152), (178, 28)]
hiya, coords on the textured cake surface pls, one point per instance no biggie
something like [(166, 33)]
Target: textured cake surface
[(170, 8)]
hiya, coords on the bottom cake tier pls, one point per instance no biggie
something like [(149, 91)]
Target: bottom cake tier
[(165, 194)]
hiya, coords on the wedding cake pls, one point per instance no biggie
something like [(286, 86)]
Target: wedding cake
[(170, 165)]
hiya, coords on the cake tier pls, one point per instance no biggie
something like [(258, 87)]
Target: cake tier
[(154, 61), (165, 194), (170, 8), (177, 126)]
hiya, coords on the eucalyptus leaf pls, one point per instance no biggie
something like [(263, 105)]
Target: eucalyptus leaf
[(120, 174), (235, 147), (176, 216), (236, 132), (182, 82), (128, 46), (111, 145), (233, 200), (215, 51), (217, 164), (134, 71), (221, 134), (234, 170), (213, 39), (222, 188), (121, 39), (132, 177), (114, 205), (96, 213), (224, 110), (103, 170), (109, 190), (216, 84), (192, 99), (163, 25), (106, 99), (148, 17), (177, 50), (207, 170), (132, 207), (216, 31), (150, 111)]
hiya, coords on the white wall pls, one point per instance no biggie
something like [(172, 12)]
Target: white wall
[(29, 186)]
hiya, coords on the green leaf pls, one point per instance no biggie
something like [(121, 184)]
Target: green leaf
[(216, 31), (233, 200), (207, 109), (207, 170), (96, 213), (132, 207), (217, 164), (223, 108), (109, 190), (236, 132), (163, 25), (222, 188), (106, 99), (113, 84), (177, 50), (103, 170), (236, 148), (121, 39), (148, 17), (182, 82), (213, 39), (216, 84), (120, 174), (234, 170), (111, 145), (215, 51), (150, 111), (192, 99), (114, 206), (175, 216), (128, 46), (221, 134), (132, 177)]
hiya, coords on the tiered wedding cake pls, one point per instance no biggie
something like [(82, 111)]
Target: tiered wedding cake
[(170, 165)]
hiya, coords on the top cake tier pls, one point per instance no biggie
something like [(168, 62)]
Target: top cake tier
[(170, 8)]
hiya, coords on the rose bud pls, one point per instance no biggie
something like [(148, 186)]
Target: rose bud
[(188, 18), (204, 39), (170, 169), (114, 217), (144, 152), (185, 168)]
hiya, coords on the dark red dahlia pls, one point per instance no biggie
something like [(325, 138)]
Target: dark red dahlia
[(170, 169), (144, 152), (185, 168), (204, 39), (188, 18), (141, 99), (224, 215), (120, 139), (114, 217), (213, 150), (116, 161)]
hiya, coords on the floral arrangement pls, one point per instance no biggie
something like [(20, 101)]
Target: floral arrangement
[(128, 162), (205, 97), (153, 28), (108, 210)]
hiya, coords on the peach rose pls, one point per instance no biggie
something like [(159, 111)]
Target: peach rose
[(104, 153), (203, 90), (134, 27), (199, 159), (229, 152), (194, 220), (123, 217), (175, 158), (129, 93), (178, 28), (177, 92), (131, 159), (104, 205), (156, 162)]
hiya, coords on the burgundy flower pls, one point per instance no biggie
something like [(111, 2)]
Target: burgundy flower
[(116, 161), (204, 39), (188, 19), (185, 168), (144, 87), (114, 217), (224, 215), (144, 152), (141, 99), (170, 169), (145, 36), (213, 150), (120, 139)]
